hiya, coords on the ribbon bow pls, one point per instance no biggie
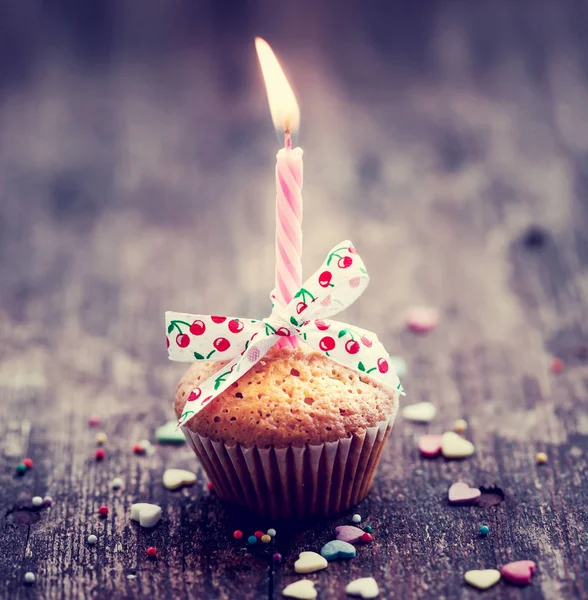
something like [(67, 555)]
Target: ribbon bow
[(341, 279)]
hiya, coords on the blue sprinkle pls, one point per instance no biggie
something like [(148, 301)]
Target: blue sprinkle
[(484, 530), (337, 549), (252, 539)]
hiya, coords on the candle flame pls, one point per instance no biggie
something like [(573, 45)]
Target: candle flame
[(282, 102)]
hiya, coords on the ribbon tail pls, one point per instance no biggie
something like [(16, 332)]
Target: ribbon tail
[(217, 383)]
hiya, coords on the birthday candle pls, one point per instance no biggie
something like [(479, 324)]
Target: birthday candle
[(286, 118)]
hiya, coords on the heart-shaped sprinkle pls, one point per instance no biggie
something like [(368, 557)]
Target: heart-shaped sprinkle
[(421, 319), (366, 587), (519, 571), (176, 478), (430, 445), (147, 514), (170, 433), (349, 533), (302, 590), (482, 578), (454, 446), (309, 562), (337, 549), (423, 412), (460, 493)]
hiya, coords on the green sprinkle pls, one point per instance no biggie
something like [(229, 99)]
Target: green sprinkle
[(484, 530), (368, 529), (21, 469)]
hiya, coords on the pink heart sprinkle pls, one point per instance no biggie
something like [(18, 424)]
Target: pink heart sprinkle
[(421, 319), (348, 533), (519, 571), (461, 492), (430, 445)]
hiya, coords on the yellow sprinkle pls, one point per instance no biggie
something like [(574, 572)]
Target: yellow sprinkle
[(101, 438), (460, 425), (266, 539), (541, 458)]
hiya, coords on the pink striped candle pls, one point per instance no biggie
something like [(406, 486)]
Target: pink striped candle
[(286, 118)]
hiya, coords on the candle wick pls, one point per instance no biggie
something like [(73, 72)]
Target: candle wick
[(287, 136)]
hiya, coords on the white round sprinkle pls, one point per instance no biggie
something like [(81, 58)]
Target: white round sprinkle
[(145, 443), (37, 501), (131, 576), (29, 577), (92, 539), (356, 518), (117, 483), (101, 438), (47, 501), (271, 532)]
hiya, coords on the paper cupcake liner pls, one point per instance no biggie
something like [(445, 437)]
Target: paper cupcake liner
[(312, 480)]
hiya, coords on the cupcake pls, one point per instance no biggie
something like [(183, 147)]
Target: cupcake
[(297, 435)]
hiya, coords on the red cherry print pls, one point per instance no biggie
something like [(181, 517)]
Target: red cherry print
[(235, 326), (194, 394), (197, 328), (344, 262), (351, 250), (301, 306), (325, 278), (352, 347), (382, 365), (354, 282), (321, 325), (218, 319), (366, 341), (167, 340), (221, 344), (327, 343), (182, 340), (284, 331)]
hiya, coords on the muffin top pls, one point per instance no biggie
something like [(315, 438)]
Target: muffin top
[(292, 396)]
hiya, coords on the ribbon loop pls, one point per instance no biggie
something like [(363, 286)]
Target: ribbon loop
[(243, 342)]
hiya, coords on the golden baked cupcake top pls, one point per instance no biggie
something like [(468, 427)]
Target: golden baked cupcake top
[(291, 396)]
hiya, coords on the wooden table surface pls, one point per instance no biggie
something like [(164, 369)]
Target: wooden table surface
[(136, 176)]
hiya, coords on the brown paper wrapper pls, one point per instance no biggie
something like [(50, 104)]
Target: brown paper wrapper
[(311, 480)]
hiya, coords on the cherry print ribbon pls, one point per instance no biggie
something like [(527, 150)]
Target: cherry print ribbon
[(341, 279)]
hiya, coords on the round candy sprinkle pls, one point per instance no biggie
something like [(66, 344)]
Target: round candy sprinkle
[(29, 577), (103, 511), (356, 518), (271, 532), (266, 539), (151, 552), (117, 483), (557, 366), (258, 534), (138, 449), (366, 537), (238, 534), (21, 469), (277, 557), (100, 454), (28, 463), (484, 530), (47, 501), (92, 540), (210, 487), (94, 421), (37, 501), (368, 529), (541, 458), (101, 438), (460, 425), (252, 539)]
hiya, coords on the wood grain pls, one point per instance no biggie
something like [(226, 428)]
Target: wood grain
[(136, 159)]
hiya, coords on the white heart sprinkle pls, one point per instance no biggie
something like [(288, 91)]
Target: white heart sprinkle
[(176, 478), (309, 562), (303, 590), (147, 514), (366, 587), (482, 579), (454, 446), (423, 412)]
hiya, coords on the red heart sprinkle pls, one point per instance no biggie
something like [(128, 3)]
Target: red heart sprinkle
[(430, 445), (519, 571)]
